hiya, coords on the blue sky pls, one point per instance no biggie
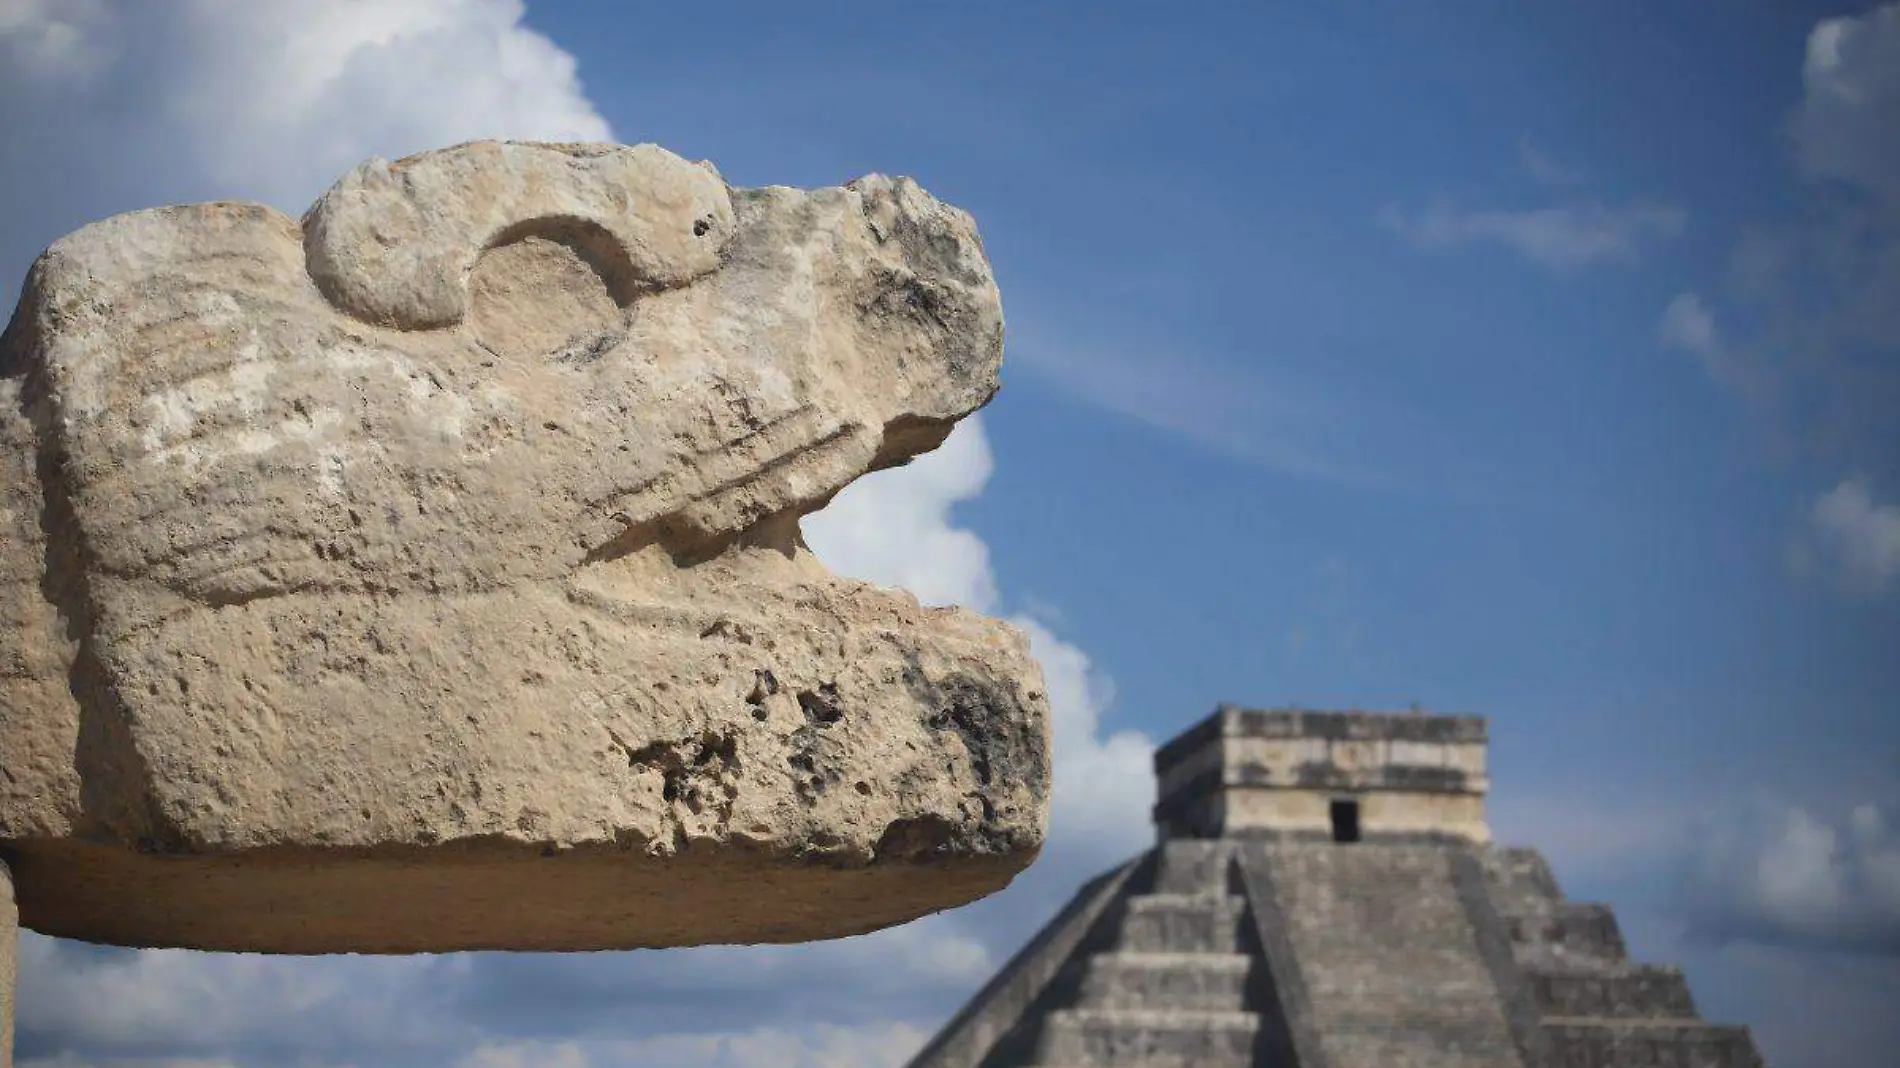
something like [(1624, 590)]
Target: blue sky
[(1533, 361)]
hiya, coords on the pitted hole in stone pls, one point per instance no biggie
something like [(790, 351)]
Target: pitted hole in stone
[(549, 287), (821, 706)]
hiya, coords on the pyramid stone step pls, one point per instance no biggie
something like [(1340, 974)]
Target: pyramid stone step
[(1208, 982), (1634, 991), (1391, 968), (1569, 932), (1576, 1042), (1149, 1037), (1521, 882), (1447, 1043), (1181, 923), (1194, 867)]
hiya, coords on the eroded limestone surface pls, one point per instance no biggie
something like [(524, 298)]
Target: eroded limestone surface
[(425, 575)]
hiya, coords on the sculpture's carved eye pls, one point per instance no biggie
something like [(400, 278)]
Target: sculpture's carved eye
[(396, 244), (555, 287)]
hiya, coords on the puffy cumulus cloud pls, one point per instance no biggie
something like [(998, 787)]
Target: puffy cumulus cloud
[(1104, 788), (1853, 539), (89, 1004), (111, 106), (69, 1061), (1810, 337), (1784, 876), (1848, 126), (893, 528), (50, 41), (822, 1046), (1561, 238)]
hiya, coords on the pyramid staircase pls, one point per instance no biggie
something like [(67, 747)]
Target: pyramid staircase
[(1578, 997), (1175, 985), (1226, 953)]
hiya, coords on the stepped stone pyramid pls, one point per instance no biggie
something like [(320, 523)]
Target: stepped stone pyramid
[(1325, 894)]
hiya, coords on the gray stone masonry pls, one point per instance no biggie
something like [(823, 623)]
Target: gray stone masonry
[(1174, 989), (1209, 779), (1320, 955), (1233, 949), (1390, 964), (1595, 1008)]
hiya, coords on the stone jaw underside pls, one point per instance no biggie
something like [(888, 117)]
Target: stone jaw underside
[(376, 582)]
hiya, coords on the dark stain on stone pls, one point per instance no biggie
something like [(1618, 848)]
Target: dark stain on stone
[(821, 705), (997, 731)]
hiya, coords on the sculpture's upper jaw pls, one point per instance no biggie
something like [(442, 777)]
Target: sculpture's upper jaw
[(932, 317), (794, 339), (517, 358)]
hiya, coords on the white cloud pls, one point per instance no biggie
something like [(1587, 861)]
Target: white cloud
[(1687, 324), (1782, 875), (1271, 418), (1848, 128), (112, 105), (1813, 292), (894, 528), (1104, 786), (821, 1046), (527, 1055), (1541, 167), (67, 1061), (1853, 537), (1562, 238), (52, 40), (86, 1000)]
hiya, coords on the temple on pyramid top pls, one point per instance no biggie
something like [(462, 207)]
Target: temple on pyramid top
[(1325, 893), (1292, 773)]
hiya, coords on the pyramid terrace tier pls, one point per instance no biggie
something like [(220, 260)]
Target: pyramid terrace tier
[(1343, 776)]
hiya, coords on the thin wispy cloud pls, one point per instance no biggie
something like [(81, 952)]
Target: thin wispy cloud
[(1543, 169), (1561, 238), (1264, 418), (1275, 418), (1688, 325)]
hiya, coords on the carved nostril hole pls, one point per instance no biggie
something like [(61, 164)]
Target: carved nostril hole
[(700, 226)]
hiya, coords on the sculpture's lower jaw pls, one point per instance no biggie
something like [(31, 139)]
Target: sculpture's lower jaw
[(474, 896), (749, 749)]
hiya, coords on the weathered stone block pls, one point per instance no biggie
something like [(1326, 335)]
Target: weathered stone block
[(425, 574)]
